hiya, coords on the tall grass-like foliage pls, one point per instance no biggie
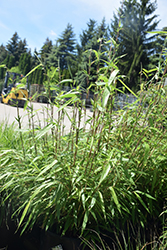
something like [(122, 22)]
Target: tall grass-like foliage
[(108, 176)]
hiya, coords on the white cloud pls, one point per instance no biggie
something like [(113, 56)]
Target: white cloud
[(52, 33)]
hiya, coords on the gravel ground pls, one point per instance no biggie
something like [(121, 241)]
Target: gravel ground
[(41, 113)]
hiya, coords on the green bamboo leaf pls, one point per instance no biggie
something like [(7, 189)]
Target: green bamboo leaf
[(54, 88), (105, 96), (54, 72), (94, 216), (66, 104), (164, 212), (29, 73), (100, 83), (108, 88), (4, 175), (69, 95), (113, 41), (152, 70), (103, 78), (93, 201), (8, 184), (153, 182), (128, 176), (85, 220), (101, 203), (147, 195), (2, 66), (48, 167), (24, 213), (146, 152), (96, 54), (26, 104), (83, 199), (66, 80), (127, 87), (43, 131), (115, 199), (158, 32), (104, 174), (141, 201), (68, 223), (75, 173), (20, 85), (27, 223), (112, 76)]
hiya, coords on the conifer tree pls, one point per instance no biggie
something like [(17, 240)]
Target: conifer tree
[(34, 58), (11, 62), (13, 47), (63, 53), (136, 19), (90, 40), (16, 47), (87, 43), (25, 63), (3, 53), (22, 47), (45, 50), (52, 58), (159, 50), (66, 52)]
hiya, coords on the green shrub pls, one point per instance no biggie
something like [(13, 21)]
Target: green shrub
[(108, 176)]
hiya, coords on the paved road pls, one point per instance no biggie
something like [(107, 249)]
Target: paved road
[(41, 114)]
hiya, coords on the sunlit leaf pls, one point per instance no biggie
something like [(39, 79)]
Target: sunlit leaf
[(141, 201), (106, 170), (115, 199), (85, 220)]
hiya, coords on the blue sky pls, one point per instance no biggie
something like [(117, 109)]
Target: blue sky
[(36, 20)]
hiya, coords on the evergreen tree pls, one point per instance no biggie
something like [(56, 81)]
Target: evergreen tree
[(16, 47), (25, 63), (87, 41), (46, 50), (21, 67), (90, 40), (63, 53), (2, 73), (6, 61), (52, 58), (3, 53), (158, 55), (11, 62), (34, 58), (136, 19), (13, 47), (22, 47), (66, 52), (88, 36)]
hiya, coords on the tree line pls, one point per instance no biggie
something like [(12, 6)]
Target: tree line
[(128, 33)]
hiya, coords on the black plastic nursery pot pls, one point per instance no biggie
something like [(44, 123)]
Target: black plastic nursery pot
[(35, 239)]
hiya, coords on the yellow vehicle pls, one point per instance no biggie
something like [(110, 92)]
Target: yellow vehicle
[(11, 94)]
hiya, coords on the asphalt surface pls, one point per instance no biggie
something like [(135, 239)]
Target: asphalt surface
[(41, 115)]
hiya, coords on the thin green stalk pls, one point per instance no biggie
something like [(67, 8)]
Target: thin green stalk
[(33, 128), (21, 136), (77, 133)]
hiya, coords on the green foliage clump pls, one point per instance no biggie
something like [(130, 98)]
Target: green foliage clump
[(107, 173)]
